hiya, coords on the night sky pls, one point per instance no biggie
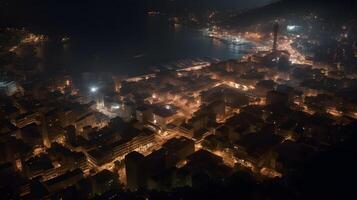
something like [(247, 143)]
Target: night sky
[(52, 14)]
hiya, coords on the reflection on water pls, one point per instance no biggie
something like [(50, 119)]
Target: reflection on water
[(137, 53), (216, 42)]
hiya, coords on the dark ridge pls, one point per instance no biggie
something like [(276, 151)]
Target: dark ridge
[(341, 10)]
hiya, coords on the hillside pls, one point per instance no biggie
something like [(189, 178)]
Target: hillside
[(335, 10)]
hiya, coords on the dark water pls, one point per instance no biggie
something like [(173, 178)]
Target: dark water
[(135, 51)]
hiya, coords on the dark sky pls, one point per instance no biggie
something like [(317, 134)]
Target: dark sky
[(247, 3), (52, 13), (19, 6)]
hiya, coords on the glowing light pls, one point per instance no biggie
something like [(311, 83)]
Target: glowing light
[(94, 89), (291, 27), (65, 39), (38, 151), (18, 165), (116, 107), (334, 112), (270, 172), (168, 107), (12, 49)]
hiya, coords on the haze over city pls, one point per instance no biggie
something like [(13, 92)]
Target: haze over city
[(178, 99)]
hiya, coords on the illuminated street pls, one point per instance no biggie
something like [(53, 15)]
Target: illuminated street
[(178, 99)]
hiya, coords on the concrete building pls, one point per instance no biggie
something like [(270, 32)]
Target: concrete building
[(135, 171)]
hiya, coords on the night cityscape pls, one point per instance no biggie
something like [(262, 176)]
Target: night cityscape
[(178, 99)]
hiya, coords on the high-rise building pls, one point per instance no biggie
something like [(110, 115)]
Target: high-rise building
[(135, 172)]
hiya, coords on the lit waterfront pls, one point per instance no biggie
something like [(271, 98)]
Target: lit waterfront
[(179, 105)]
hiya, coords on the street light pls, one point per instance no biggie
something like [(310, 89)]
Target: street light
[(292, 27), (94, 89), (115, 107)]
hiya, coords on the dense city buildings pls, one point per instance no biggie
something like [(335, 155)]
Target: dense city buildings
[(278, 122)]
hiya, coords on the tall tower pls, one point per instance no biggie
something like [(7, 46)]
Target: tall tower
[(275, 33)]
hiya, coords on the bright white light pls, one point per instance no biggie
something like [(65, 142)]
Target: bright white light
[(94, 89), (116, 107), (168, 107), (291, 27)]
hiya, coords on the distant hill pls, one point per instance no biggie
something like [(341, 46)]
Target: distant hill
[(341, 10), (53, 15), (203, 5)]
